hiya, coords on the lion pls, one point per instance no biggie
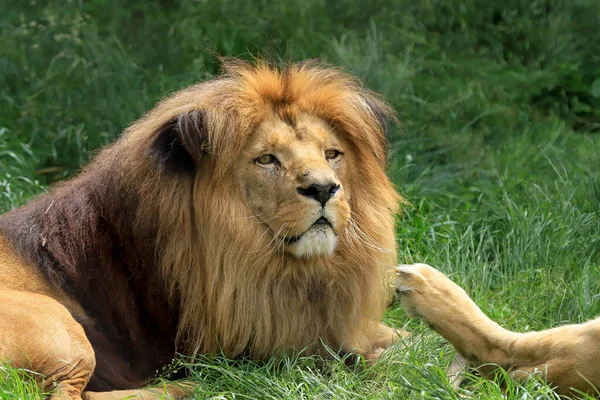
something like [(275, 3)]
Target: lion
[(567, 357), (249, 215)]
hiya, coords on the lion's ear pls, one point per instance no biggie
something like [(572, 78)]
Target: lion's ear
[(181, 143)]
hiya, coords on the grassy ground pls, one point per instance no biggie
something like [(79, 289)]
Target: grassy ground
[(499, 151)]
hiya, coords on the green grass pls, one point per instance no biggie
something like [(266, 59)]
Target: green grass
[(499, 152), (18, 384)]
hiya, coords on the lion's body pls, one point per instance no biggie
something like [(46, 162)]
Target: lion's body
[(160, 245)]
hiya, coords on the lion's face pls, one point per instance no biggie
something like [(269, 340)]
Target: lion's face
[(292, 176)]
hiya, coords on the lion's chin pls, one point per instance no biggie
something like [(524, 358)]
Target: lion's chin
[(319, 241)]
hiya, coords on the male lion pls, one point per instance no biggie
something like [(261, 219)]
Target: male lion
[(250, 214), (567, 357)]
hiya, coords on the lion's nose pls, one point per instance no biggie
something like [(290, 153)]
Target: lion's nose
[(321, 193)]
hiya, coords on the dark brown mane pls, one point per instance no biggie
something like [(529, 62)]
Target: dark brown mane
[(84, 238)]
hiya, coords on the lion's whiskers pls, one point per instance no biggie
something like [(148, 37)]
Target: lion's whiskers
[(258, 218), (247, 217), (357, 217), (273, 246), (362, 237), (258, 242), (269, 251), (276, 234)]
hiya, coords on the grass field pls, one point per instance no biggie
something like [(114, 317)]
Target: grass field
[(499, 150)]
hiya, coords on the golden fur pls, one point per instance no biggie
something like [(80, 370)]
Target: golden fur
[(567, 357), (231, 242)]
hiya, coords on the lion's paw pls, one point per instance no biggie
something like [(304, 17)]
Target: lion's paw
[(423, 289), (416, 277)]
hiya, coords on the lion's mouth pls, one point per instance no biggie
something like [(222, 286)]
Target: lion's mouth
[(322, 221)]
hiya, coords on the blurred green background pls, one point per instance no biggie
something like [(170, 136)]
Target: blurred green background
[(498, 152)]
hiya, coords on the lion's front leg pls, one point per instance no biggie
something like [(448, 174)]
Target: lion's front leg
[(383, 337), (567, 356), (428, 294)]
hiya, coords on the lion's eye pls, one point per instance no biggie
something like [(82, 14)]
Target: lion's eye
[(332, 154), (266, 159)]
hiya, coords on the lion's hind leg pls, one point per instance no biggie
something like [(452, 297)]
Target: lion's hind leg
[(39, 334)]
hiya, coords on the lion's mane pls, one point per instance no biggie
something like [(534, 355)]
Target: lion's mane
[(155, 242)]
